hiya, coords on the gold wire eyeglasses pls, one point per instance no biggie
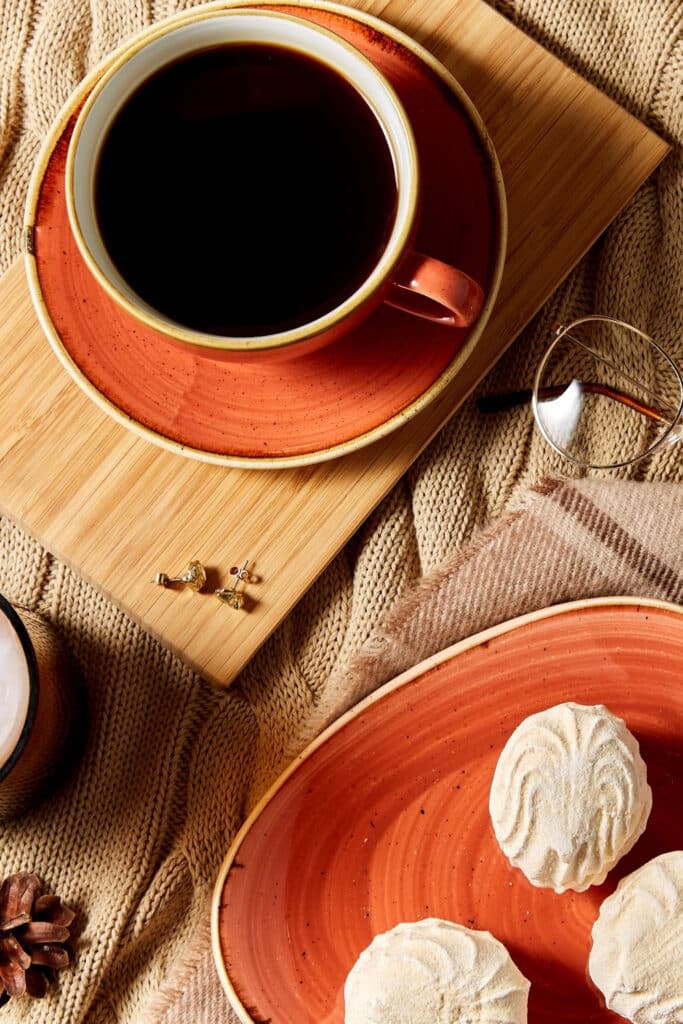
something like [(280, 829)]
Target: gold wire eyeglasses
[(605, 395)]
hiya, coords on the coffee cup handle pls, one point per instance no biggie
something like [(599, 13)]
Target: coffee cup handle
[(452, 298)]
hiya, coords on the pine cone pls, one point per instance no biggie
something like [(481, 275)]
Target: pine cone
[(33, 930)]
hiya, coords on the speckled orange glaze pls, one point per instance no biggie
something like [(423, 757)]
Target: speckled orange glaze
[(265, 408), (386, 818)]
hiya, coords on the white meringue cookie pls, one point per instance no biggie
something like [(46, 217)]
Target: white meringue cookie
[(435, 972), (569, 796), (637, 955)]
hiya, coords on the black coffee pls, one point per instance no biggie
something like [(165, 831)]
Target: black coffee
[(245, 189)]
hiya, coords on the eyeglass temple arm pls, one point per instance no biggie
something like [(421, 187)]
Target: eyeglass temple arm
[(511, 399)]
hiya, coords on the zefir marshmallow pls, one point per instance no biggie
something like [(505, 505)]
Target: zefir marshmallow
[(637, 955), (569, 796), (435, 972)]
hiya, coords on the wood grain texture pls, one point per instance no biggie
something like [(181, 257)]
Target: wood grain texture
[(118, 508)]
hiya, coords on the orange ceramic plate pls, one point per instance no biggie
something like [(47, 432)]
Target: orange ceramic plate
[(261, 412), (385, 818)]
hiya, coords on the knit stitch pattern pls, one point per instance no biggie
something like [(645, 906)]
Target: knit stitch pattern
[(470, 536)]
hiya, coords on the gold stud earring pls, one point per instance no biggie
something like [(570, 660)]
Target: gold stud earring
[(193, 576), (243, 574), (231, 595)]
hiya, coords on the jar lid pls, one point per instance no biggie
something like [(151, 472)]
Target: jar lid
[(18, 679)]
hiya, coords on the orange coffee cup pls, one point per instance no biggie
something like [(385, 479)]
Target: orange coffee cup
[(398, 275)]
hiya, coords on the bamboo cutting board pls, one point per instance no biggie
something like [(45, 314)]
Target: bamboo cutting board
[(117, 508)]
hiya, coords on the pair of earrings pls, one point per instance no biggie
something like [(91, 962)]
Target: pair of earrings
[(194, 577)]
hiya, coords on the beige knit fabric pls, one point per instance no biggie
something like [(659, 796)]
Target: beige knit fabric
[(135, 839)]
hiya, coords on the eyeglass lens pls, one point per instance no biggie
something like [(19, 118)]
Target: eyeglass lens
[(605, 395)]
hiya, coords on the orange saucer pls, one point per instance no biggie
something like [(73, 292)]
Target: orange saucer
[(263, 412)]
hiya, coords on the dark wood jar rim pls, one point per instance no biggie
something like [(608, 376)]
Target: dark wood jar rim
[(27, 647)]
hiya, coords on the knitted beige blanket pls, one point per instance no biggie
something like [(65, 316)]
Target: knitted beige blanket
[(134, 840)]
